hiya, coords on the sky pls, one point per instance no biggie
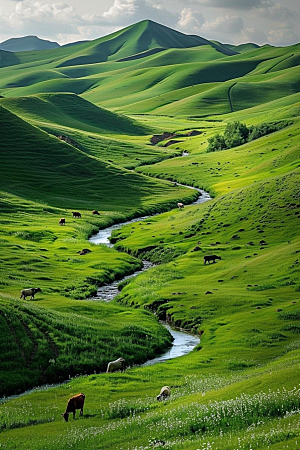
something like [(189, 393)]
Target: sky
[(228, 21)]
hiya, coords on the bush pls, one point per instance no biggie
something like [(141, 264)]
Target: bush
[(237, 133)]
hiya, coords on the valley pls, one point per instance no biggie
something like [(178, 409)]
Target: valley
[(77, 126)]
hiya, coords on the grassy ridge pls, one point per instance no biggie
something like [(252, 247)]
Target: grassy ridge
[(156, 82), (71, 111), (46, 346), (37, 178)]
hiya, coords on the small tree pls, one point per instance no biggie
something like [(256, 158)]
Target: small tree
[(216, 143), (236, 133)]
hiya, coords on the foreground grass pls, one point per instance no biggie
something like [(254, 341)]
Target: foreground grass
[(205, 411)]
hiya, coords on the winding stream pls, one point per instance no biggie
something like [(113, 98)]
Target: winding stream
[(183, 343)]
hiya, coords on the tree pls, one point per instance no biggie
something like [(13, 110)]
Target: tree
[(236, 133)]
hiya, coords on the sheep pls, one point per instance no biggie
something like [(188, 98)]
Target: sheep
[(165, 393), (118, 364)]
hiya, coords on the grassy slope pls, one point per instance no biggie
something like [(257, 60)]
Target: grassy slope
[(249, 325), (74, 171)]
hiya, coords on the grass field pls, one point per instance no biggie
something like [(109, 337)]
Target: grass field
[(76, 129)]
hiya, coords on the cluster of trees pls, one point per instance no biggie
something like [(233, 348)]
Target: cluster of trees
[(237, 133)]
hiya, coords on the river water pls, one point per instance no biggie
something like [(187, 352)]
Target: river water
[(183, 343)]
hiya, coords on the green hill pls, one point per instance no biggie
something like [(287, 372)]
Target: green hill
[(72, 111), (118, 124), (38, 166)]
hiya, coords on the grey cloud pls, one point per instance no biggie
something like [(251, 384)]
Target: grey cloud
[(234, 4)]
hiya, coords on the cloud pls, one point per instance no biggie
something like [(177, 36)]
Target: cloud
[(40, 19), (285, 36), (190, 20), (123, 12), (227, 25), (233, 4), (275, 11), (60, 21)]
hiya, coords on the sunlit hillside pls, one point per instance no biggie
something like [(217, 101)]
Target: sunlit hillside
[(129, 125)]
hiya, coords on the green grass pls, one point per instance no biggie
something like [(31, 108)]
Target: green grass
[(239, 388)]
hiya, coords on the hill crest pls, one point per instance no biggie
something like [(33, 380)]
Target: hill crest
[(27, 43)]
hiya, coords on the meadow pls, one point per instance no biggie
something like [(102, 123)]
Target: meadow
[(239, 388)]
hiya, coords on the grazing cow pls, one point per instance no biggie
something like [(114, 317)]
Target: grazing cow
[(76, 402), (29, 292), (62, 221), (211, 258), (76, 214), (84, 251), (118, 364), (180, 205), (165, 393), (96, 213)]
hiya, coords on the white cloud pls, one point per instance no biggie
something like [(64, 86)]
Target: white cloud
[(190, 21), (61, 22), (260, 21), (121, 9), (40, 19), (276, 11), (227, 25)]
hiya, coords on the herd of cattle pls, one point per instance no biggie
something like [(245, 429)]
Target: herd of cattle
[(76, 215), (77, 401)]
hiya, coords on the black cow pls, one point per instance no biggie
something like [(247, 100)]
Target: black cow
[(211, 258), (29, 292)]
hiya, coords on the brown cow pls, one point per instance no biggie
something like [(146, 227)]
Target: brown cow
[(76, 402), (96, 213), (211, 258), (76, 214), (62, 221)]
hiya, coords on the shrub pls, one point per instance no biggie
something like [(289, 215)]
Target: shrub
[(237, 133)]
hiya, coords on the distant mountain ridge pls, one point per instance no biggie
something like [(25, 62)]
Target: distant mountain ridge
[(27, 43), (142, 38)]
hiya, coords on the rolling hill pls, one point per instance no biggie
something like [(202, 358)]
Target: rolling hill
[(117, 124)]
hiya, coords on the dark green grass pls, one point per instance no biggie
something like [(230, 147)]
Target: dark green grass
[(28, 156), (40, 345), (71, 111)]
